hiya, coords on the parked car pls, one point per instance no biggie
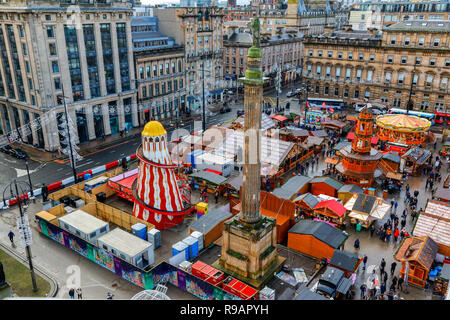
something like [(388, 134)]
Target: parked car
[(225, 109), (6, 149), (298, 91), (290, 93), (240, 112), (19, 154)]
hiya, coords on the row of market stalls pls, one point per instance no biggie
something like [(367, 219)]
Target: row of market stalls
[(425, 255)]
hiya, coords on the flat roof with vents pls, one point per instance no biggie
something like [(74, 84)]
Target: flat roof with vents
[(125, 242), (83, 221)]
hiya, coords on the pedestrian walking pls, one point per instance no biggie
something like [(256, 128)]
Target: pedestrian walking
[(403, 223), (79, 294), (363, 289), (109, 296), (11, 237), (372, 229), (356, 245), (388, 234), (393, 265), (216, 195), (385, 277), (382, 265), (364, 262), (396, 234), (395, 205), (72, 293), (400, 284), (382, 288)]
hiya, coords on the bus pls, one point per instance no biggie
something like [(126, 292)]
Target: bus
[(440, 115), (336, 104), (429, 116)]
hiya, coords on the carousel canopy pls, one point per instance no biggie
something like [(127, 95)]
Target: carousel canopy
[(403, 122)]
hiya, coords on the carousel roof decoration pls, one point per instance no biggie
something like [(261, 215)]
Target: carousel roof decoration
[(403, 122)]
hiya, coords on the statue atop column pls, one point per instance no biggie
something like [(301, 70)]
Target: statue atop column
[(256, 32)]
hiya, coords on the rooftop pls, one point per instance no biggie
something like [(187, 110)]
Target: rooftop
[(83, 221), (125, 242), (419, 26), (321, 231)]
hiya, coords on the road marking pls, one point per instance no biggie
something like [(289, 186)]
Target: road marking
[(89, 162), (59, 169)]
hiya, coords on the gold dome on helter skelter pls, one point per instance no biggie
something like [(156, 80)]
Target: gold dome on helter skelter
[(153, 128)]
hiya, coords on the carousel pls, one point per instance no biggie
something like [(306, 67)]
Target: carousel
[(402, 128)]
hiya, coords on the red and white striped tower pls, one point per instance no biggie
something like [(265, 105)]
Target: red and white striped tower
[(157, 198)]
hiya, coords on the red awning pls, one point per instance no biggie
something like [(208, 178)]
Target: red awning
[(278, 117), (213, 171), (333, 205), (351, 136)]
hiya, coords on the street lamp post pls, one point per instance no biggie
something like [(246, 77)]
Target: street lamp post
[(409, 104), (68, 136), (24, 226), (29, 179)]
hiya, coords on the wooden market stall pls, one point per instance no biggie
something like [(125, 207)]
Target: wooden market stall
[(442, 194), (334, 125), (316, 238), (325, 185), (345, 261), (365, 209), (417, 255), (434, 221), (293, 187), (296, 135), (208, 179), (390, 162), (331, 211), (305, 204), (210, 225), (347, 191), (414, 159)]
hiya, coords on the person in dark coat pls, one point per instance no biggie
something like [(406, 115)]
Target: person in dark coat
[(356, 245), (385, 277), (383, 288), (72, 293), (216, 195), (363, 289), (382, 265), (372, 229), (394, 282), (400, 284), (364, 262), (393, 265)]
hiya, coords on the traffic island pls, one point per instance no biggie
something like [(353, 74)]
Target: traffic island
[(18, 277)]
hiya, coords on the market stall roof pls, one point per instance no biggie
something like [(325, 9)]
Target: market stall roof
[(210, 220), (290, 188), (445, 272), (279, 117), (333, 123), (345, 260), (330, 181), (312, 141), (321, 231), (266, 122), (363, 207), (332, 275), (332, 160), (344, 285), (351, 188), (332, 205), (299, 132), (434, 222), (211, 177), (417, 154), (442, 194), (394, 175), (341, 145), (273, 151), (420, 249), (403, 122), (351, 136), (235, 182), (319, 133), (310, 199), (306, 294), (392, 156)]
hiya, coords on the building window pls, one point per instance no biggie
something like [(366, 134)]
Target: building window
[(57, 82), (403, 60), (338, 72), (447, 63), (328, 71), (318, 69), (429, 80), (407, 41), (27, 66), (325, 90), (389, 59), (361, 57), (392, 39), (55, 66), (358, 74), (330, 54), (345, 92), (436, 42), (48, 17), (144, 92), (401, 78), (417, 60), (50, 32), (415, 79), (52, 49), (421, 40), (369, 75), (432, 62), (367, 94), (372, 57), (24, 49), (356, 95), (339, 55), (350, 56), (347, 73), (310, 53), (336, 91), (21, 33), (319, 53)]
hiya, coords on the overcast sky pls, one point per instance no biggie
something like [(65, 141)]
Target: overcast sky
[(239, 2)]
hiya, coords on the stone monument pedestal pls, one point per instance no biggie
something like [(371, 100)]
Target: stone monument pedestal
[(5, 291), (249, 251)]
